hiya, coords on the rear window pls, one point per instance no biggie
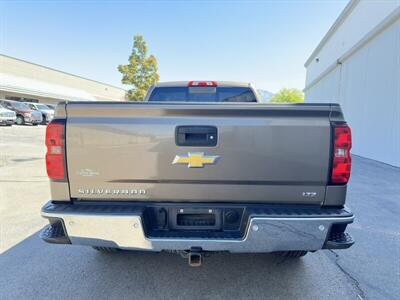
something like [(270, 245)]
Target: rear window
[(202, 94)]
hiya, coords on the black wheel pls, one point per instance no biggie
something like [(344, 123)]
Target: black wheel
[(20, 120), (44, 120), (105, 249), (292, 254), (35, 124)]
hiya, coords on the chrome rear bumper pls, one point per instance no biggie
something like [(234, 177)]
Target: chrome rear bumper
[(126, 230)]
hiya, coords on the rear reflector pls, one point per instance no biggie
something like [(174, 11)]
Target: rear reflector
[(55, 149), (341, 163), (203, 83)]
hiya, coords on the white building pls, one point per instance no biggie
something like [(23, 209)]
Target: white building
[(25, 81), (357, 64)]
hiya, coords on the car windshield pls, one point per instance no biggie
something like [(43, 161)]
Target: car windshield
[(42, 107), (20, 105), (203, 94)]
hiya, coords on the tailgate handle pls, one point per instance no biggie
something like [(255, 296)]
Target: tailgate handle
[(199, 136)]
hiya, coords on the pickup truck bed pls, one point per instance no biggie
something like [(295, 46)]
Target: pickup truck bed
[(206, 176)]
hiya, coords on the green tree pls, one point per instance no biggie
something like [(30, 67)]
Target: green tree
[(141, 71), (288, 96)]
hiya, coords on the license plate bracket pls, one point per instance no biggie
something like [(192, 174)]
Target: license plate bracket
[(195, 219)]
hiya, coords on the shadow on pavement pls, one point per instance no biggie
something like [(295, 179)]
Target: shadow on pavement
[(33, 268)]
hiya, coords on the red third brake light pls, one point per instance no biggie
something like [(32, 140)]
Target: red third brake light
[(203, 83), (55, 149), (341, 164)]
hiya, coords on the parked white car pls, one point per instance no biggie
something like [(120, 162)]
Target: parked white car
[(51, 106), (47, 113), (7, 117)]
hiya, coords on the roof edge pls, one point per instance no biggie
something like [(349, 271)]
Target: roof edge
[(388, 21), (59, 71), (219, 83), (37, 93), (339, 21)]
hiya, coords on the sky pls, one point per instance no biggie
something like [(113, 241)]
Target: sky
[(262, 42)]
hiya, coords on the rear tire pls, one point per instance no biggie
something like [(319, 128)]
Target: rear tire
[(292, 254), (106, 249)]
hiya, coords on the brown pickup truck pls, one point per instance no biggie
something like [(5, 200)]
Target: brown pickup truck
[(199, 167)]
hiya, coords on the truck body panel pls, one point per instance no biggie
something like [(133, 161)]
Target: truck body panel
[(267, 153)]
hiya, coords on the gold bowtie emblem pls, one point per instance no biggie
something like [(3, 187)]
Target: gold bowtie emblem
[(195, 159)]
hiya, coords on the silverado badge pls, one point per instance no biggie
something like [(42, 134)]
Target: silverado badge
[(195, 159)]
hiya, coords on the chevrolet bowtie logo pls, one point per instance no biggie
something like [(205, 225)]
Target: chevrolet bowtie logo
[(195, 159)]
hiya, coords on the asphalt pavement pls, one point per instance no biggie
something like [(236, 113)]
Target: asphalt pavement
[(30, 268)]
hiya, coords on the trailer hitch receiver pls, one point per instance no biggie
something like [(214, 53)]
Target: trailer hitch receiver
[(195, 258)]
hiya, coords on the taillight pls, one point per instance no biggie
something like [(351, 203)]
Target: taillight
[(55, 149), (341, 163), (203, 83)]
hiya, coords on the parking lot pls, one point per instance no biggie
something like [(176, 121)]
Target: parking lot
[(30, 268)]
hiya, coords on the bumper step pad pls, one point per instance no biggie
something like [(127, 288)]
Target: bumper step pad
[(339, 240), (54, 233)]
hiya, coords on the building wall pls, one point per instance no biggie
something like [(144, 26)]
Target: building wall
[(358, 18), (327, 89), (367, 85), (22, 69)]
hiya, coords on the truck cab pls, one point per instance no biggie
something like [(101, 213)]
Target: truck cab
[(203, 91)]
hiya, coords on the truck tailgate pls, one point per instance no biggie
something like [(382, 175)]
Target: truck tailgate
[(266, 153)]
